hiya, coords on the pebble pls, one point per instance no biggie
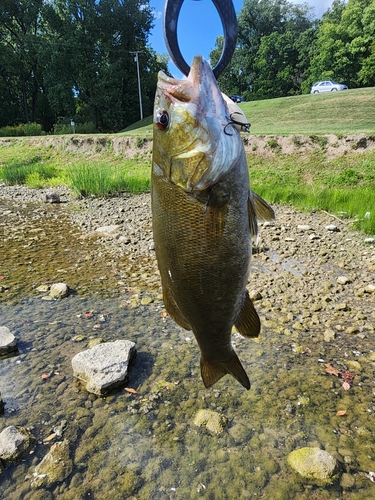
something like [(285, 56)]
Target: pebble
[(333, 228), (343, 280)]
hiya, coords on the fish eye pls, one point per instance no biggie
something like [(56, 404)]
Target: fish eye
[(162, 120)]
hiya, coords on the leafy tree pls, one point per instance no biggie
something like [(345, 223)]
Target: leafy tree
[(75, 59), (19, 26), (346, 44), (267, 61)]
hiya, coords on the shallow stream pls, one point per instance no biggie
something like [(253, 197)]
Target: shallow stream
[(145, 445)]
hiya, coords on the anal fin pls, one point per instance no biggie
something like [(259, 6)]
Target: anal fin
[(213, 371), (248, 322)]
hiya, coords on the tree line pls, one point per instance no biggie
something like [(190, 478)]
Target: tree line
[(282, 50), (74, 59), (63, 60)]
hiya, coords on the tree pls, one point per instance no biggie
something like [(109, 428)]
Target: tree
[(19, 27), (346, 44), (75, 59), (270, 39)]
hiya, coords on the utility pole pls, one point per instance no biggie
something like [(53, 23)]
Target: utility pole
[(136, 52)]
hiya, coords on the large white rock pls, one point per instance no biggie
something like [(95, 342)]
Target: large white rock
[(8, 342), (104, 366)]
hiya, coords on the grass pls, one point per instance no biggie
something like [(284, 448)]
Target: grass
[(346, 112), (91, 169), (345, 185), (91, 166), (102, 178)]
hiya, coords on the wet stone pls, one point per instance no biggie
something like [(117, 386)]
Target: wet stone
[(329, 335), (15, 442), (347, 481), (104, 366), (55, 466), (211, 420), (314, 464), (59, 290), (8, 342)]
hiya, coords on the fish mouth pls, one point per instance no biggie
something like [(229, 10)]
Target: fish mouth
[(187, 89)]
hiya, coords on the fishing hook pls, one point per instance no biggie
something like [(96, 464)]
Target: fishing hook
[(228, 20)]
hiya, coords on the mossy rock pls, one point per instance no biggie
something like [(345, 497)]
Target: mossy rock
[(314, 464), (211, 420), (163, 386), (55, 466)]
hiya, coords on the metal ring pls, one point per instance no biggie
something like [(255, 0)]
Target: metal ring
[(228, 19)]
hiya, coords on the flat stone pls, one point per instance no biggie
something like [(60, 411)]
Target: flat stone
[(304, 227), (369, 240), (15, 442), (332, 228), (104, 366), (59, 290), (8, 342), (314, 464)]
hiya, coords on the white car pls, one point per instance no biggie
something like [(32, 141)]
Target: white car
[(327, 86)]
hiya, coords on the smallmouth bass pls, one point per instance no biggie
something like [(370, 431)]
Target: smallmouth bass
[(203, 217)]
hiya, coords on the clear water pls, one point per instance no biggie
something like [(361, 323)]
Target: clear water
[(145, 445)]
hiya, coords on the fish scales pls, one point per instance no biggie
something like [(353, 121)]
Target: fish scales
[(201, 211)]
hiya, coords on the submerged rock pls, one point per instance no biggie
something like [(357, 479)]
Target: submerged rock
[(55, 466), (211, 420), (8, 342), (314, 464), (104, 366), (15, 442)]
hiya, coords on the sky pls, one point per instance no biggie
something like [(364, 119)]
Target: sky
[(199, 25)]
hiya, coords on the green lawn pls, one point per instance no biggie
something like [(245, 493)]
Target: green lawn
[(90, 164)]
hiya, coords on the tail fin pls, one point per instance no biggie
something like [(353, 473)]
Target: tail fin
[(213, 371)]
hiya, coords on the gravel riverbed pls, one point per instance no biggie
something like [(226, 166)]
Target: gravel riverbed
[(313, 284)]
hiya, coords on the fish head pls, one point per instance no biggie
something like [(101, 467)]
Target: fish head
[(194, 143)]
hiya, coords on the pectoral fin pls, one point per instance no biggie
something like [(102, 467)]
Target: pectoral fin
[(248, 322), (173, 310), (213, 371), (259, 210)]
